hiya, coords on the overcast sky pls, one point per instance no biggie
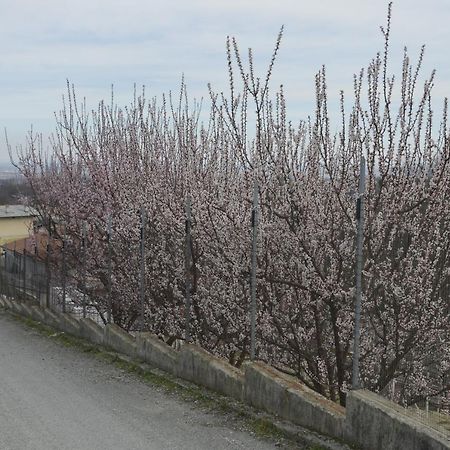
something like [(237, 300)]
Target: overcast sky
[(97, 43)]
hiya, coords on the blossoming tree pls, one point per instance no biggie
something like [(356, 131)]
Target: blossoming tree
[(111, 162)]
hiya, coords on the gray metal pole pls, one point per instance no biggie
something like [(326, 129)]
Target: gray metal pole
[(37, 272), (48, 275), (359, 263), (187, 266), (25, 272), (109, 270), (63, 274), (142, 274), (253, 273), (14, 273), (83, 262)]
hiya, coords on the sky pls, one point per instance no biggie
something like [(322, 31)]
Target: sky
[(99, 43)]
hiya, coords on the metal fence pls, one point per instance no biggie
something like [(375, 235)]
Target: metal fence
[(26, 276), (34, 279)]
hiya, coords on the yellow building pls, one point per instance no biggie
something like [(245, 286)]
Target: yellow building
[(16, 222)]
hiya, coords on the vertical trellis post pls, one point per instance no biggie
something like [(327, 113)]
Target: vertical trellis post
[(253, 272), (142, 271), (14, 276), (63, 273), (393, 390), (14, 270), (83, 265), (37, 273), (359, 262), (187, 266), (47, 269), (109, 269)]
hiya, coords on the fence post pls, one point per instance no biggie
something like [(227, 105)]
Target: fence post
[(187, 267), (109, 232), (37, 275), (63, 274), (253, 272), (142, 272), (24, 272), (14, 274), (359, 262), (2, 271), (47, 271), (83, 263)]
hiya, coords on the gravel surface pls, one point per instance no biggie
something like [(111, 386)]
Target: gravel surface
[(56, 397)]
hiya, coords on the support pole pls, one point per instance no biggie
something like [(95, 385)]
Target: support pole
[(37, 273), (63, 274), (187, 265), (253, 273), (25, 273), (109, 312), (83, 258), (48, 274), (359, 263), (142, 272)]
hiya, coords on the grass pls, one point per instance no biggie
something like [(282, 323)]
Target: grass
[(264, 427)]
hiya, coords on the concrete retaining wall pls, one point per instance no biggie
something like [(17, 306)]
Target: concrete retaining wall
[(37, 314), (377, 423), (70, 325), (269, 389), (369, 420), (53, 319), (26, 309), (119, 340), (91, 331), (7, 303), (17, 308), (156, 352), (199, 366)]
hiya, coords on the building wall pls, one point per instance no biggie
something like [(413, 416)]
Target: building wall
[(13, 228)]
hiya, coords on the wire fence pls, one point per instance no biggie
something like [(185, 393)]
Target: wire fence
[(25, 276), (431, 411), (46, 279)]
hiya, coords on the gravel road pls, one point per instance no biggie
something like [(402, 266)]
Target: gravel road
[(55, 397)]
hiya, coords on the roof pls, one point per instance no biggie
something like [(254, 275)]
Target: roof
[(8, 211)]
